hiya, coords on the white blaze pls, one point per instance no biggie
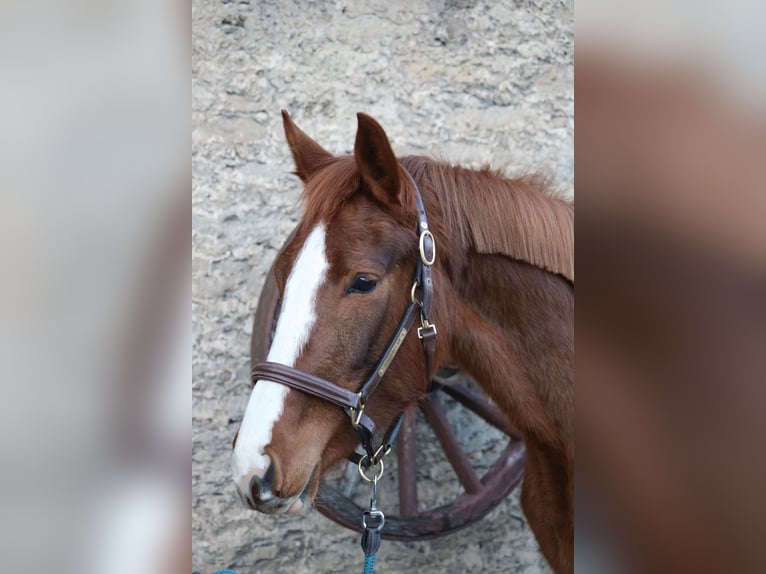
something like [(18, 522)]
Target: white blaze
[(296, 319)]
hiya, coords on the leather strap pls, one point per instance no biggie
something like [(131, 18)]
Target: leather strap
[(306, 383), (428, 336), (315, 386), (405, 325), (426, 250)]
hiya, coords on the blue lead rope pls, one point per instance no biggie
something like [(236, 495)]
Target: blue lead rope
[(369, 563), (372, 520)]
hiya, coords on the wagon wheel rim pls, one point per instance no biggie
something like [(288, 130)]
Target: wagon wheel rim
[(480, 493), (480, 496)]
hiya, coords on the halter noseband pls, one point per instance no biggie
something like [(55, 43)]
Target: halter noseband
[(354, 403)]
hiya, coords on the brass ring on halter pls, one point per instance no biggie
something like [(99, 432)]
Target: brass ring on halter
[(426, 261), (375, 477)]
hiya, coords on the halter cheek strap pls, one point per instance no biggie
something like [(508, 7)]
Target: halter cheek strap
[(354, 403), (427, 252)]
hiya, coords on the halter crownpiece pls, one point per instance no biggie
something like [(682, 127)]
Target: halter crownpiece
[(354, 403)]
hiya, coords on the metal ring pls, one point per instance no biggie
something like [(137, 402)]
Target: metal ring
[(364, 476), (412, 292), (376, 514), (421, 246)]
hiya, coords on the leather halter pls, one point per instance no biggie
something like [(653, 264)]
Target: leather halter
[(354, 403)]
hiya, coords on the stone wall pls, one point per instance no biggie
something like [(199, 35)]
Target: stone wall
[(468, 81)]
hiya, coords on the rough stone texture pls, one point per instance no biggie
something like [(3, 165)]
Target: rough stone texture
[(469, 81)]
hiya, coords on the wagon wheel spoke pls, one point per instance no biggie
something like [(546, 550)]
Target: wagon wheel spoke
[(405, 458), (455, 453), (480, 405)]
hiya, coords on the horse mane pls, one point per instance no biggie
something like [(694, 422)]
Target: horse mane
[(480, 209), (520, 218)]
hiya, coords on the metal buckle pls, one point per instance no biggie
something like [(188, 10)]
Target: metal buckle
[(421, 246), (431, 328), (426, 326)]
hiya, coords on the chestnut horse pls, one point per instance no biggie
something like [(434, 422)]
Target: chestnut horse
[(503, 302)]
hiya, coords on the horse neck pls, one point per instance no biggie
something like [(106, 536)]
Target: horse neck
[(510, 325)]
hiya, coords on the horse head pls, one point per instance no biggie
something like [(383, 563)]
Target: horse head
[(345, 280)]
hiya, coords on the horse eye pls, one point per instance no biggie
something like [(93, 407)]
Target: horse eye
[(362, 284)]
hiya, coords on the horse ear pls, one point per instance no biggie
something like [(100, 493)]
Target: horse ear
[(376, 160), (308, 155)]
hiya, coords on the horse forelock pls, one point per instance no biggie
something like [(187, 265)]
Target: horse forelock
[(329, 188)]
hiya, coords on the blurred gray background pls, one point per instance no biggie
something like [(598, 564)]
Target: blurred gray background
[(466, 81)]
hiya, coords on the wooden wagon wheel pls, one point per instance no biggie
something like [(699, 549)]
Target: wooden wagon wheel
[(480, 493)]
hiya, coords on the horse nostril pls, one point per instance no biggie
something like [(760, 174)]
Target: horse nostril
[(256, 488), (260, 487)]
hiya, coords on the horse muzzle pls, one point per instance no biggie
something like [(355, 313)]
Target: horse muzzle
[(256, 493)]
